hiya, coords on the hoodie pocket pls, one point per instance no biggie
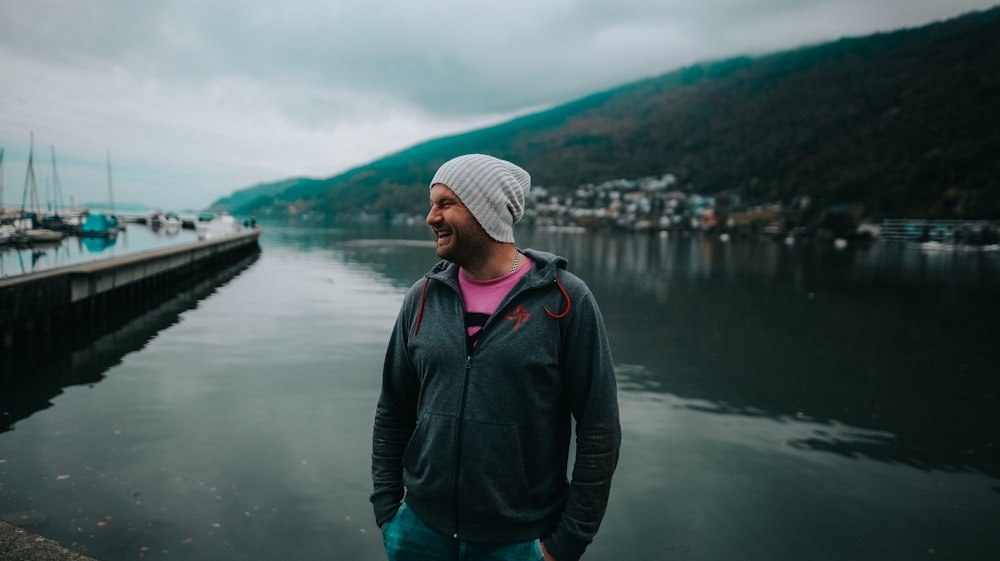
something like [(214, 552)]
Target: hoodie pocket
[(429, 459), (492, 481)]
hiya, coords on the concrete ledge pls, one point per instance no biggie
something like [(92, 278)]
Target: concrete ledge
[(20, 545)]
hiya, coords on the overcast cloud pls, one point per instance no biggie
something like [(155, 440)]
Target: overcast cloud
[(197, 99)]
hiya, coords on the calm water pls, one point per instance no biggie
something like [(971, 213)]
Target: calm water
[(790, 403)]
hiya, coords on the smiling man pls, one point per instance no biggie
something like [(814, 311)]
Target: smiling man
[(496, 354)]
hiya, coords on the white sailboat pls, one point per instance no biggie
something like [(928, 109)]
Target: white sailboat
[(28, 229)]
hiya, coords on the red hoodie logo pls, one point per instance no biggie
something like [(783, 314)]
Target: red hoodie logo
[(518, 315)]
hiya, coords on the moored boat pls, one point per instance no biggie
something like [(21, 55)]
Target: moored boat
[(223, 224), (99, 225), (172, 221), (41, 235), (7, 233)]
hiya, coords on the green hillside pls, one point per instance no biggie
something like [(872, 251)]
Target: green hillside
[(905, 124)]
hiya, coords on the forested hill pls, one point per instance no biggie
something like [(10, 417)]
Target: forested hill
[(906, 124)]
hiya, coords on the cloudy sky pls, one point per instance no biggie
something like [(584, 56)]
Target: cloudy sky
[(195, 99)]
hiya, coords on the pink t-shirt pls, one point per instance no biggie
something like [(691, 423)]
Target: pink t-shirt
[(482, 297)]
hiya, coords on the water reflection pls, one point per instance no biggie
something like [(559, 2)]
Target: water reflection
[(402, 261), (648, 258), (886, 338), (97, 244), (29, 381)]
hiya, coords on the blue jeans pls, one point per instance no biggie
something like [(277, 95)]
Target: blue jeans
[(408, 538)]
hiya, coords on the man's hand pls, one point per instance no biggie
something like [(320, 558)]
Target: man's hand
[(545, 552)]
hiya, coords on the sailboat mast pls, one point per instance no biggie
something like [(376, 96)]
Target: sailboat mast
[(56, 187), (111, 191), (29, 179)]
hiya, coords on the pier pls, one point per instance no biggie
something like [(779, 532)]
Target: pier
[(58, 307)]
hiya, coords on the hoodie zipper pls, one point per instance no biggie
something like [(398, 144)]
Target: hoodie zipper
[(461, 409), (458, 449)]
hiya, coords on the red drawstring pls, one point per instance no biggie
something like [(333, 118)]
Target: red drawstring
[(421, 312), (569, 303)]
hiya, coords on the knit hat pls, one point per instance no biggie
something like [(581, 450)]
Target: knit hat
[(492, 189)]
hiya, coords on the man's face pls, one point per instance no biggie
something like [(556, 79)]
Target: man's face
[(460, 238)]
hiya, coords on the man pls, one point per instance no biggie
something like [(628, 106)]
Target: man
[(493, 355)]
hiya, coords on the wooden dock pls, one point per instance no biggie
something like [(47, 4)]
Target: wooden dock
[(45, 310)]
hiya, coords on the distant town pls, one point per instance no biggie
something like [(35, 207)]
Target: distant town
[(655, 204)]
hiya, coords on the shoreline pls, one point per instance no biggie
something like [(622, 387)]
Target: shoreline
[(18, 544)]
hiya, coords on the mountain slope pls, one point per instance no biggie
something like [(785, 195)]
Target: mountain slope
[(904, 123)]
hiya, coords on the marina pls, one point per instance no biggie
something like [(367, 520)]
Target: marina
[(45, 307), (19, 259)]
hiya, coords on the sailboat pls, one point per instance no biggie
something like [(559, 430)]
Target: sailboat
[(28, 227), (102, 225), (54, 220)]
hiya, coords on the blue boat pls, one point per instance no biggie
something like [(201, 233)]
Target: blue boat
[(99, 225)]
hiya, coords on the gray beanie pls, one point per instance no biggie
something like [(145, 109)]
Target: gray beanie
[(492, 189)]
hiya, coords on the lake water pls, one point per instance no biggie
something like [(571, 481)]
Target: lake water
[(778, 402)]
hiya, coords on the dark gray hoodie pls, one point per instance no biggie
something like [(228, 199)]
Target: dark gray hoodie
[(480, 441)]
